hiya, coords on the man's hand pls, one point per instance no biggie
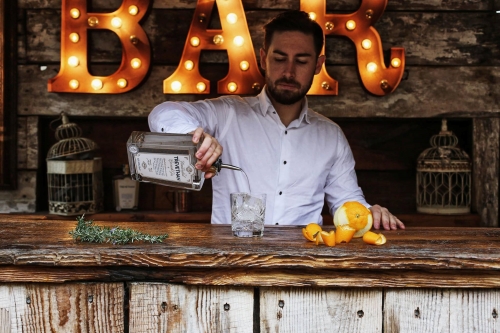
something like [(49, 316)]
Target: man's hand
[(382, 217), (208, 153)]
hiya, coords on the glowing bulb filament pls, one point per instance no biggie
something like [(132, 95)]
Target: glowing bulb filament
[(312, 16), (74, 13), (232, 18), (350, 25), (189, 65), (135, 63), (396, 62), (366, 44), (133, 10), (238, 40), (201, 86), (116, 22), (218, 39), (244, 65), (74, 84), (371, 67), (74, 37), (176, 86), (122, 83), (232, 87), (96, 84), (73, 61), (194, 41)]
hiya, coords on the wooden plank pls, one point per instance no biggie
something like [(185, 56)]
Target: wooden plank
[(427, 93), (27, 143), (486, 166), (320, 310), (417, 310), (282, 4), (250, 277), (159, 307), (474, 310), (5, 321), (437, 38), (64, 308)]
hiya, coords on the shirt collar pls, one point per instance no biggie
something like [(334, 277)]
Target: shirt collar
[(266, 106)]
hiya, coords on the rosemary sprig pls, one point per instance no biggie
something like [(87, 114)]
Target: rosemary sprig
[(86, 231)]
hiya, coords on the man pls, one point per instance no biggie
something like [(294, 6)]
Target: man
[(294, 155)]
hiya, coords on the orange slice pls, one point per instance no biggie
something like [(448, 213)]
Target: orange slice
[(375, 239), (356, 215), (344, 234), (310, 231)]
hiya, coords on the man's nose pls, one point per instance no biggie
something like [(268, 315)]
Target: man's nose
[(289, 69)]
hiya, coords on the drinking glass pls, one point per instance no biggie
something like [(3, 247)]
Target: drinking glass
[(248, 212)]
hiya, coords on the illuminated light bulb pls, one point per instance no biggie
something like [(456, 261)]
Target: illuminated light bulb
[(244, 65), (135, 63), (325, 85), (122, 83), (238, 41), (384, 84), (74, 13), (218, 39), (202, 18), (232, 87), (74, 37), (189, 65), (73, 61), (366, 44), (329, 25), (194, 41), (371, 67), (256, 86), (96, 84), (200, 86), (232, 18), (396, 62), (116, 22), (369, 14), (134, 40), (74, 84), (350, 25), (176, 86), (312, 16), (93, 21), (133, 10)]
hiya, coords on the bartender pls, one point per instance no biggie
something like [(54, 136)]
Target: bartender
[(293, 154)]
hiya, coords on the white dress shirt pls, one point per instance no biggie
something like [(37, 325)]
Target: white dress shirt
[(296, 166)]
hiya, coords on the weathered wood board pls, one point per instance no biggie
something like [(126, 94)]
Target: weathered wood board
[(62, 308), (321, 310), (441, 310), (159, 307)]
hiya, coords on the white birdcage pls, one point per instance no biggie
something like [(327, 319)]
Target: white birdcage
[(444, 176), (74, 175)]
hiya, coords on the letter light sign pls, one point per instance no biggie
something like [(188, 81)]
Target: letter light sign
[(243, 76)]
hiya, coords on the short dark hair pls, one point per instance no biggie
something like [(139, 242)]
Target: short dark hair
[(294, 20)]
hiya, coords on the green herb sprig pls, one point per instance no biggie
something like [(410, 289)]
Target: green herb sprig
[(86, 231)]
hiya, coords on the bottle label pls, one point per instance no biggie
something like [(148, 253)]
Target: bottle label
[(170, 167), (126, 191)]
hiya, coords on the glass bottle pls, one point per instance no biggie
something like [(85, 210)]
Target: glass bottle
[(125, 190)]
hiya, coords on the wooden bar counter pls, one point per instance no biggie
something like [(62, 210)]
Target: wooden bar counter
[(202, 279)]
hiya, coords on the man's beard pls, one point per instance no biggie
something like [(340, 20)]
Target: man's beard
[(287, 97)]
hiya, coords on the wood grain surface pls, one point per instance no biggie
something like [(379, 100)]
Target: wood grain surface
[(209, 254)]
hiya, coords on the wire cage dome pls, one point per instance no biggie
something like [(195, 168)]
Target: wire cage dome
[(444, 176), (74, 175)]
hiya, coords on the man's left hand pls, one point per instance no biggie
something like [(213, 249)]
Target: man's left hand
[(383, 218)]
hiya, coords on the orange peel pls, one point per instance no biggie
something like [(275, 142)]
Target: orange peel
[(310, 231), (373, 238), (356, 215), (344, 234), (327, 237)]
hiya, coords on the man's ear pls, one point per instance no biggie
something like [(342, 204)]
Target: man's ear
[(262, 58), (319, 64)]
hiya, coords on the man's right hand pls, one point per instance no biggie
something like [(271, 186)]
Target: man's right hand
[(208, 153)]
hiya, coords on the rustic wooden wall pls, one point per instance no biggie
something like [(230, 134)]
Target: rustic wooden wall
[(452, 60)]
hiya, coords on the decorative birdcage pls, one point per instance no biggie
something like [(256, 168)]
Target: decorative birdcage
[(444, 176), (74, 175)]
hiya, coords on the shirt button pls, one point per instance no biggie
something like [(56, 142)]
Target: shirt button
[(162, 129), (284, 162), (277, 224), (281, 192), (286, 132)]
